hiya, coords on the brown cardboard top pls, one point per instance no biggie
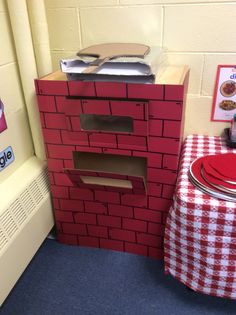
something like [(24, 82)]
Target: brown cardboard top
[(174, 75)]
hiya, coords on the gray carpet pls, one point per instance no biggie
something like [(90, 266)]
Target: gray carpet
[(69, 280)]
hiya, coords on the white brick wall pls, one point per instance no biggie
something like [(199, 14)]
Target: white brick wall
[(121, 24), (17, 134), (198, 33)]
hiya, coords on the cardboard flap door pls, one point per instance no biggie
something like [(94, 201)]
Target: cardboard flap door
[(109, 172), (107, 181)]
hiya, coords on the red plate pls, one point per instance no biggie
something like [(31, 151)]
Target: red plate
[(197, 180), (211, 171), (225, 164), (219, 184)]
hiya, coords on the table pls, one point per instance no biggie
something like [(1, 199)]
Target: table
[(200, 234)]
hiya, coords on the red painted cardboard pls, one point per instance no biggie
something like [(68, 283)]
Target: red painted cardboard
[(146, 91), (107, 196), (154, 189), (70, 106), (161, 176), (132, 142), (136, 201), (52, 136), (120, 210), (160, 204), (110, 221), (165, 110), (172, 129), (72, 228), (87, 218), (134, 225), (116, 151), (46, 103), (97, 107), (88, 241), (81, 88), (112, 244), (111, 89), (99, 231), (60, 151), (140, 128), (67, 239), (59, 191), (106, 217), (95, 207), (75, 137), (55, 121), (148, 215), (71, 205), (174, 92), (136, 110), (168, 191), (156, 228), (68, 164), (102, 140), (170, 162), (55, 165), (155, 127), (87, 149), (74, 123), (62, 180), (81, 193), (164, 145), (136, 249), (122, 235), (149, 239), (153, 159), (63, 216), (52, 88)]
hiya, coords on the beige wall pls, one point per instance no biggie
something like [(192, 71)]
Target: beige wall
[(18, 133), (194, 32)]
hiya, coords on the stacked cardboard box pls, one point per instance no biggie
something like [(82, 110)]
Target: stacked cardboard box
[(113, 151)]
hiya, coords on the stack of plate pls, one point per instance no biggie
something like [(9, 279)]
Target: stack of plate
[(215, 175)]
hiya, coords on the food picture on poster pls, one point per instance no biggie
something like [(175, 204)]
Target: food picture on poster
[(224, 100)]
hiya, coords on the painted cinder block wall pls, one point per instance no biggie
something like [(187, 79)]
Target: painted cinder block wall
[(18, 133), (194, 32)]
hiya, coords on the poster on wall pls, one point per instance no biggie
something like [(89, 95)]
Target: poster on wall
[(3, 123), (224, 100)]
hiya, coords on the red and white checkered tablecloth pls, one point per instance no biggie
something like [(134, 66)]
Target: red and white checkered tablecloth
[(200, 235)]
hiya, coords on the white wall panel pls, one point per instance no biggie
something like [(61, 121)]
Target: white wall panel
[(7, 49), (18, 136), (210, 68), (63, 29), (195, 62), (200, 27), (123, 24), (10, 88)]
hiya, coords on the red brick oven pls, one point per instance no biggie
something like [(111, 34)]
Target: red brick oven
[(112, 151)]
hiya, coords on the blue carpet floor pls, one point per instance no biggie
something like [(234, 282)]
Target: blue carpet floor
[(68, 280)]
